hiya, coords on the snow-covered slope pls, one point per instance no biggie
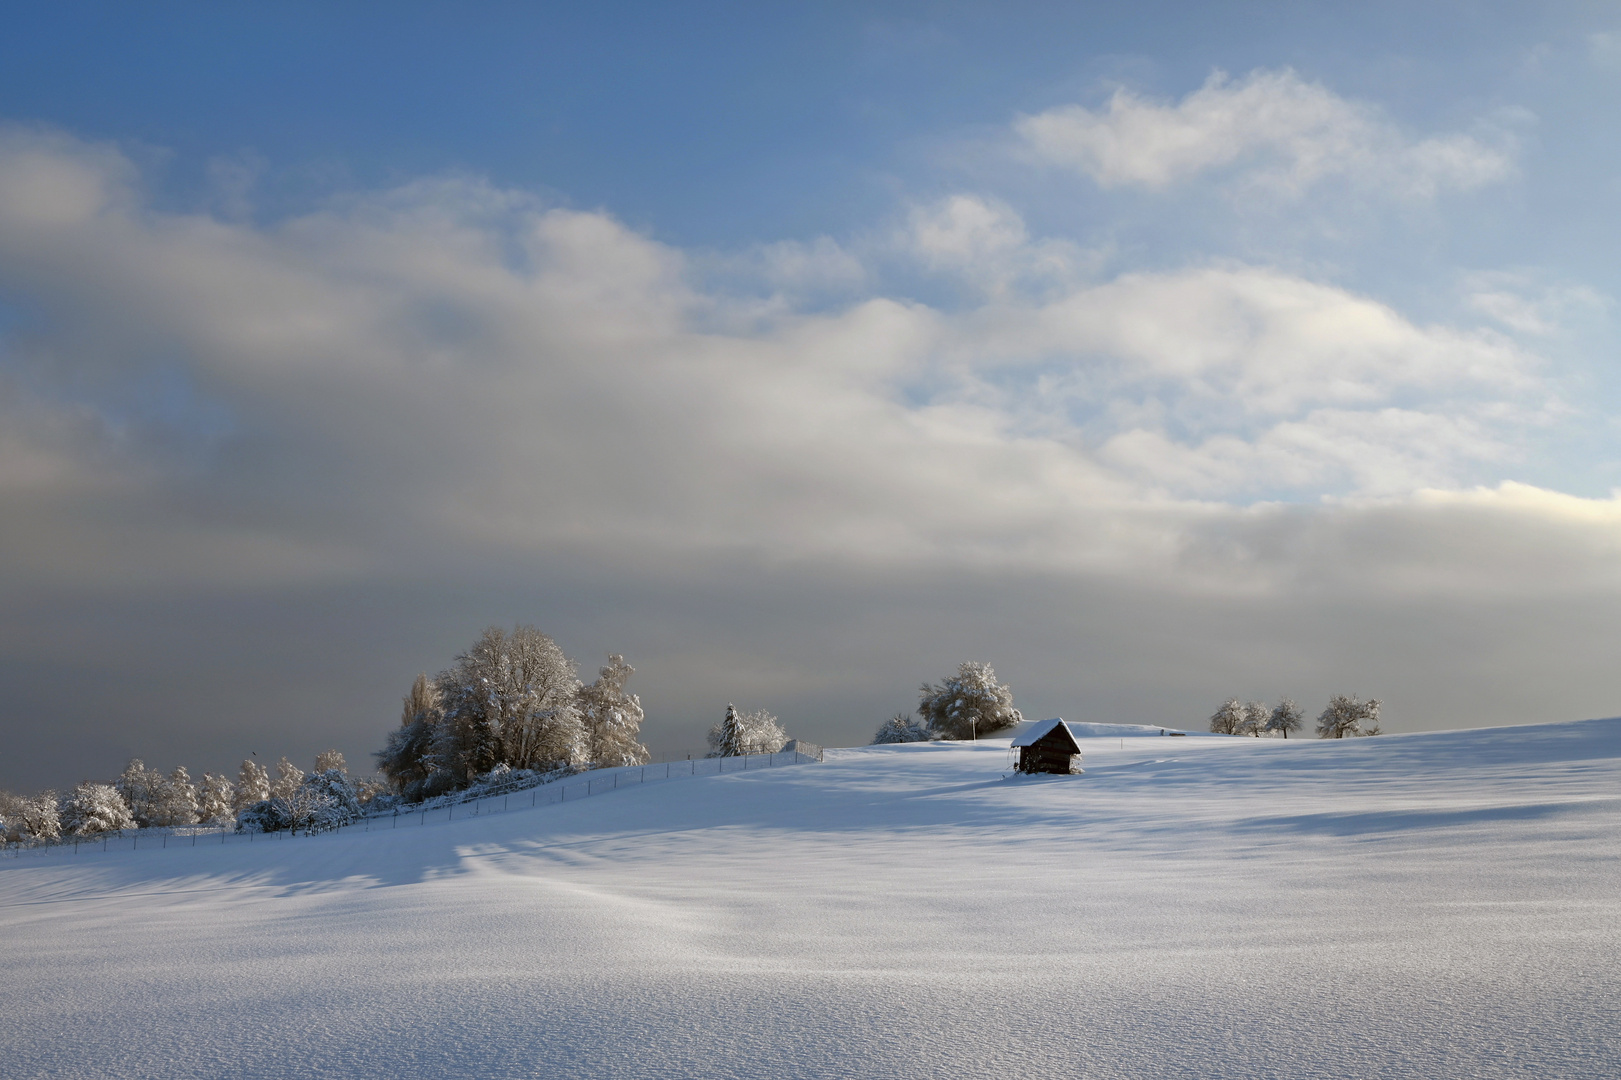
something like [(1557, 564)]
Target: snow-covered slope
[(1430, 905)]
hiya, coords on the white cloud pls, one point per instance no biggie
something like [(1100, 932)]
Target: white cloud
[(1283, 132), (427, 376), (1522, 303)]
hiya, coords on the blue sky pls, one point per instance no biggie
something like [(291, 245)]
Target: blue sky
[(1153, 353)]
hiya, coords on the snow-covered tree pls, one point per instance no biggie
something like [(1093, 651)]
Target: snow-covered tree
[(1285, 717), (509, 699), (94, 809), (1346, 715), (327, 760), (143, 790), (176, 802), (737, 734), (288, 778), (216, 799), (406, 759), (900, 728), (1229, 718), (1254, 722), (968, 704), (34, 818), (612, 717), (252, 784)]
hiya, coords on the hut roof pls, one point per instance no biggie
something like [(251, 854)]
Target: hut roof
[(1037, 732)]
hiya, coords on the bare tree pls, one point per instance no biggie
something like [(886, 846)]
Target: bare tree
[(969, 704), (327, 760), (1346, 715)]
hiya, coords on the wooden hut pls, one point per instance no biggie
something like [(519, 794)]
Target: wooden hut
[(1048, 747)]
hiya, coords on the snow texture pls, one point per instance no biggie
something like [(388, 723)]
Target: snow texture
[(1428, 905)]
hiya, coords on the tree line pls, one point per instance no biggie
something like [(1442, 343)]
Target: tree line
[(510, 703), (143, 798), (1345, 715)]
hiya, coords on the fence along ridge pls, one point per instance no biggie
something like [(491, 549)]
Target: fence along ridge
[(159, 838)]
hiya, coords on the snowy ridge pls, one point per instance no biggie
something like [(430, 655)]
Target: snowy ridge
[(1440, 904), (1084, 730)]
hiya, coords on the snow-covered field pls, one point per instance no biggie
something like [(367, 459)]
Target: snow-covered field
[(1433, 905)]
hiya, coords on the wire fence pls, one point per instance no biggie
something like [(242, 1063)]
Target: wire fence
[(445, 808)]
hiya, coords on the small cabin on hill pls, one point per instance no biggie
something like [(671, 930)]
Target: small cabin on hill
[(1048, 747)]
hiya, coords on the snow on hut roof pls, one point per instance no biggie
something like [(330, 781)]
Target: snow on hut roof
[(1037, 731)]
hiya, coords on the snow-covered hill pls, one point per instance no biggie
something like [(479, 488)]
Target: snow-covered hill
[(1429, 905)]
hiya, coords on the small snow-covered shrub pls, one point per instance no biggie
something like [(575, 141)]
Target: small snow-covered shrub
[(901, 728), (94, 809)]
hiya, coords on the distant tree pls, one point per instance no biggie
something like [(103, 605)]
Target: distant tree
[(1285, 717), (94, 809), (1254, 722), (612, 717), (143, 791), (1346, 715), (510, 699), (34, 818), (968, 705), (900, 728), (252, 784), (288, 777), (1229, 718), (176, 801), (327, 760), (406, 761), (738, 733), (216, 799)]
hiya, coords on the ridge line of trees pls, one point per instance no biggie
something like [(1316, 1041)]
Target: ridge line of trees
[(1346, 715)]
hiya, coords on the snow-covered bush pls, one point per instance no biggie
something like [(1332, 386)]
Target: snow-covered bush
[(738, 733), (94, 809), (969, 704), (901, 728), (1346, 715)]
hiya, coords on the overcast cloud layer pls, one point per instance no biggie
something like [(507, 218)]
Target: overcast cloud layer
[(256, 472)]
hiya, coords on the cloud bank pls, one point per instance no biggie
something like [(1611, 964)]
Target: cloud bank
[(449, 382)]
